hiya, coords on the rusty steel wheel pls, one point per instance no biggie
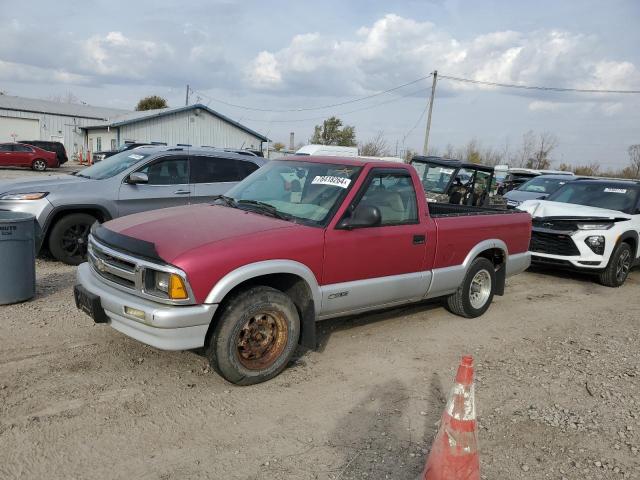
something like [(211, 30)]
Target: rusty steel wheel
[(254, 336), (262, 339)]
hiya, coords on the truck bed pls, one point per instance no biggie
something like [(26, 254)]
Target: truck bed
[(440, 210)]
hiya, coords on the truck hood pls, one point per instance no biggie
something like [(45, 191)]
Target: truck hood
[(175, 231), (545, 208), (47, 184)]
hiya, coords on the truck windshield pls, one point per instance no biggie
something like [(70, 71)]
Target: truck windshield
[(543, 184), (434, 177), (304, 191), (111, 166), (612, 196)]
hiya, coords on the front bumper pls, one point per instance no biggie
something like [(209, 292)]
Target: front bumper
[(584, 258), (166, 327)]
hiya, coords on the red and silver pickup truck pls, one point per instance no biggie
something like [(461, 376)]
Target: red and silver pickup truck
[(299, 240)]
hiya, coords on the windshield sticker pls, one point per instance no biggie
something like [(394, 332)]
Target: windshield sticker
[(615, 190), (448, 171), (135, 156), (331, 180)]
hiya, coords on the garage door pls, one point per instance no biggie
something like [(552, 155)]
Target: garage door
[(23, 128)]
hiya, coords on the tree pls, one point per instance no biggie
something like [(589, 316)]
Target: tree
[(591, 170), (278, 146), (375, 147), (152, 102), (634, 159), (565, 167), (330, 133)]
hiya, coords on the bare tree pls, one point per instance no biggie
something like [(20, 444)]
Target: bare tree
[(634, 159), (546, 143), (449, 151), (375, 147)]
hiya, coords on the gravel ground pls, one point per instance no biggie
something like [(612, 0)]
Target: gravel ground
[(557, 392)]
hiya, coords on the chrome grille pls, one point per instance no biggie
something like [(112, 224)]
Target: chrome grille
[(111, 266)]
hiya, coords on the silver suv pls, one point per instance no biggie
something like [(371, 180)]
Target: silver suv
[(145, 178)]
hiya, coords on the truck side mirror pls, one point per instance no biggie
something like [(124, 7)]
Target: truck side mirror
[(138, 177), (363, 216)]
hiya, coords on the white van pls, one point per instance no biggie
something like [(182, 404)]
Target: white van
[(328, 151)]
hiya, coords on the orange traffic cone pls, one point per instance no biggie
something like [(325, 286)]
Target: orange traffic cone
[(89, 159), (80, 157), (454, 453)]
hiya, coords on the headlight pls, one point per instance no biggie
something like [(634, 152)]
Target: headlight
[(594, 226), (24, 196), (595, 243), (165, 285)]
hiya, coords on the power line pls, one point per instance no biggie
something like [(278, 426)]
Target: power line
[(533, 87), (338, 113), (321, 107)]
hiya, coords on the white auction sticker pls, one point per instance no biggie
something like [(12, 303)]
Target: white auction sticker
[(135, 156), (448, 171), (615, 190), (331, 180)]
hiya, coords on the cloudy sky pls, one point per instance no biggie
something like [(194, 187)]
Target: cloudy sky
[(286, 55)]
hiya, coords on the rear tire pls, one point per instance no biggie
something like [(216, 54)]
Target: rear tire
[(255, 337), (475, 295), (619, 266), (69, 237), (39, 165)]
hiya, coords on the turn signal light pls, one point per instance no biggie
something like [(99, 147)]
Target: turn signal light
[(177, 290)]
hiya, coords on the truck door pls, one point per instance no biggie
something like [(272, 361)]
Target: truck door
[(384, 264), (168, 186)]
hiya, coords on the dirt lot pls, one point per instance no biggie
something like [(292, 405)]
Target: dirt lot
[(557, 391)]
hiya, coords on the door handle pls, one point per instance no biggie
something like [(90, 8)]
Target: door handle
[(419, 239), (181, 192)]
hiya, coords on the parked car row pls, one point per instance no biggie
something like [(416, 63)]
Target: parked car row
[(273, 247)]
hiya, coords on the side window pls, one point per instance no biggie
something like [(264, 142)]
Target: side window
[(214, 170), (6, 148), (22, 148), (394, 196), (246, 168), (167, 171)]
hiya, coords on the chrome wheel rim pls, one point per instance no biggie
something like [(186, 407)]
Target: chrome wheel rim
[(262, 339), (623, 266), (40, 165), (480, 289)]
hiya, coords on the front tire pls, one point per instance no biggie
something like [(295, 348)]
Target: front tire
[(618, 268), (255, 337), (69, 237), (475, 295), (39, 165)]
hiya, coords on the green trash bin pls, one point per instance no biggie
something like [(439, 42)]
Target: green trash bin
[(17, 257)]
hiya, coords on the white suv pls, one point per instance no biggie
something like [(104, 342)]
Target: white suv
[(588, 225)]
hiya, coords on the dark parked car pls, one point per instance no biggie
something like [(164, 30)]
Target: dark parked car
[(537, 188), (21, 155), (99, 156), (57, 147)]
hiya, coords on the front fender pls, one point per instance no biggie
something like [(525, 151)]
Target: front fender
[(258, 269)]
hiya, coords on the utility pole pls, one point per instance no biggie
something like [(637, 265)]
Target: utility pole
[(186, 100), (433, 94)]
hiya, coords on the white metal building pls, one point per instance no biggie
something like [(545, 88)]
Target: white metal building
[(96, 128), (33, 119), (196, 125)]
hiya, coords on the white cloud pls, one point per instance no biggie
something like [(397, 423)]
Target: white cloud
[(114, 54), (17, 72), (395, 49)]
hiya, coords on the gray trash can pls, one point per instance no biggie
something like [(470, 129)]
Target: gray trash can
[(17, 257)]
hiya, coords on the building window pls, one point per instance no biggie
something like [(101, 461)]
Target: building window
[(113, 144), (98, 144)]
